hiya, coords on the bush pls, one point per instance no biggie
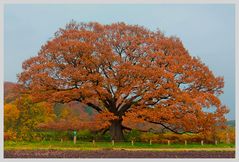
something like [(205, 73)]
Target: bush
[(133, 135), (43, 135), (180, 138), (52, 135), (102, 137), (26, 135), (10, 135), (84, 135), (106, 136), (146, 137), (226, 135)]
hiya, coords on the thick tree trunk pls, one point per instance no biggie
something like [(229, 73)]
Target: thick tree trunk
[(116, 130)]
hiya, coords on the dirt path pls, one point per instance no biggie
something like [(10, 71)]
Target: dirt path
[(177, 149), (116, 154)]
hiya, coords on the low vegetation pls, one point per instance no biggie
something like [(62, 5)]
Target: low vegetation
[(80, 145)]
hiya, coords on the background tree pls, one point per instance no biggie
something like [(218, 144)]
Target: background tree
[(11, 115), (129, 72), (30, 115)]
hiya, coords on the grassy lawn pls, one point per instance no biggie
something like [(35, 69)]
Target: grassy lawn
[(80, 145)]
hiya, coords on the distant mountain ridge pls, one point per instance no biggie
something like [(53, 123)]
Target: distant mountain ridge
[(10, 93), (79, 109), (231, 123)]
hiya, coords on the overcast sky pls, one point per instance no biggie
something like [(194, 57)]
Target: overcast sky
[(207, 31)]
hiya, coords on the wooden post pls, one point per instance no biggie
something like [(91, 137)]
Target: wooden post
[(150, 142), (228, 139), (93, 142), (74, 139), (202, 142), (113, 142), (168, 142), (61, 140), (132, 142), (185, 142), (215, 142)]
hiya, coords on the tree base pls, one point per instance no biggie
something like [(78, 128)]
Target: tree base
[(116, 130)]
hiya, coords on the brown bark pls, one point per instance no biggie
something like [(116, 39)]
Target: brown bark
[(116, 130)]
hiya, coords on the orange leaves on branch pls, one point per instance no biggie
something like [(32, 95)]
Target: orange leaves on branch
[(103, 119)]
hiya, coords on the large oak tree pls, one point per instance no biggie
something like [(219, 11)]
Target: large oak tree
[(129, 71)]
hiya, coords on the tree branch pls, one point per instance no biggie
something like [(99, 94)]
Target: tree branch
[(127, 105), (94, 107), (172, 130), (127, 128), (104, 131)]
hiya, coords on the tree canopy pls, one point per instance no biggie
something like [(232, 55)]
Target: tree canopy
[(128, 71)]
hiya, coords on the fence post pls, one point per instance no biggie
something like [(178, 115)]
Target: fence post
[(74, 139), (185, 142), (168, 142), (61, 140), (74, 133), (150, 142), (93, 142), (113, 142), (132, 142), (202, 142), (215, 142), (228, 139)]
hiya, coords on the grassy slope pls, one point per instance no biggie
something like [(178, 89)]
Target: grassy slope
[(68, 145)]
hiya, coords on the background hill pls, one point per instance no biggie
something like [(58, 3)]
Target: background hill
[(231, 123), (10, 93)]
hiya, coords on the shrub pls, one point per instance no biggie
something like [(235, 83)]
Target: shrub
[(10, 135), (145, 137), (106, 136), (84, 135), (133, 135), (227, 135)]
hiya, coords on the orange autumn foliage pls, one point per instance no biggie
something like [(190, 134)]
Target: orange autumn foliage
[(128, 71), (11, 115)]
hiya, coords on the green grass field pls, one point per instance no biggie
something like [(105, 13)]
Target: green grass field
[(80, 145)]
